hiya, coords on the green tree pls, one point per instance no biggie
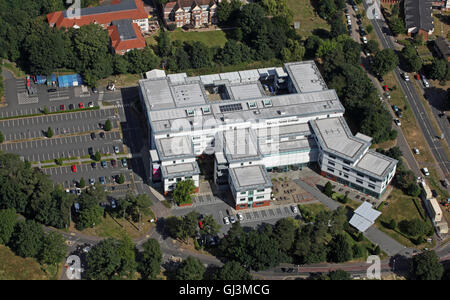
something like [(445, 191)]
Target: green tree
[(337, 25), (438, 69), (8, 219), (49, 132), (140, 61), (164, 44), (45, 110), (328, 190), (339, 275), (377, 250), (385, 61), (339, 249), (183, 191), (97, 156), (358, 251), (2, 138), (108, 125), (54, 249), (111, 259), (426, 266), (397, 26), (89, 217), (121, 179), (284, 233), (373, 46), (26, 240), (232, 270), (59, 161), (190, 269), (210, 226), (82, 183), (224, 10), (149, 264), (414, 227), (411, 60), (392, 224)]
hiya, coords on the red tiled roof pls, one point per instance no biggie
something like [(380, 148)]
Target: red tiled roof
[(120, 45), (58, 19)]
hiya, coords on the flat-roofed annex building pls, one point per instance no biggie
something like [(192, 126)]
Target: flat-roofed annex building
[(252, 122)]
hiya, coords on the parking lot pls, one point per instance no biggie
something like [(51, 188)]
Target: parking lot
[(66, 177), (211, 205), (67, 123), (64, 147)]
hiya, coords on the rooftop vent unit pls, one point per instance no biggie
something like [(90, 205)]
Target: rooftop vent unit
[(267, 103), (206, 110)]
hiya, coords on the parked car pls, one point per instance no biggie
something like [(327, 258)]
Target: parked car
[(102, 135), (226, 220), (386, 88), (91, 104), (425, 172), (51, 90), (71, 106), (113, 163), (113, 204), (74, 168), (397, 122), (405, 76), (387, 95), (232, 219), (380, 78), (81, 105), (395, 108), (294, 209), (416, 151), (91, 181), (240, 217), (103, 164), (124, 162), (116, 149), (61, 107), (399, 114), (364, 39), (102, 180), (445, 182), (91, 151), (93, 165), (425, 81), (94, 90), (93, 137)]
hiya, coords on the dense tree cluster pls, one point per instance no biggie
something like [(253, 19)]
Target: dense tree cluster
[(286, 241), (426, 266)]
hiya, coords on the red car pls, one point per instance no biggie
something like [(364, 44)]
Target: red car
[(61, 107), (200, 224), (386, 88), (74, 168), (81, 105)]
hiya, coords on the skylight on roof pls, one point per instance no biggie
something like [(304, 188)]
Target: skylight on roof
[(267, 103), (206, 110), (251, 104), (190, 112)]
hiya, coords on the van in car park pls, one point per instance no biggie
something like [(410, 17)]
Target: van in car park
[(425, 172)]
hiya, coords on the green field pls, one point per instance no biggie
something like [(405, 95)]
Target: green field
[(209, 38), (305, 14), (13, 267)]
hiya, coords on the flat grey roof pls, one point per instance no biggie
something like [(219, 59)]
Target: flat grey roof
[(188, 94), (291, 145), (240, 145), (364, 216), (335, 137), (277, 131), (305, 76), (246, 91), (376, 163), (185, 169), (250, 177), (174, 147), (157, 93)]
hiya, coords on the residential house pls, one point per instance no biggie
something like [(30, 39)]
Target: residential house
[(125, 36), (442, 47), (195, 13), (419, 17)]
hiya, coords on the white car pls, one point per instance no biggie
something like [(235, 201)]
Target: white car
[(425, 172), (397, 122), (226, 220), (416, 151), (116, 149), (294, 209), (405, 76), (232, 219), (91, 181), (364, 39), (240, 217)]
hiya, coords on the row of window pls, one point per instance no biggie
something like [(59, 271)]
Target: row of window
[(357, 173), (179, 179), (346, 176)]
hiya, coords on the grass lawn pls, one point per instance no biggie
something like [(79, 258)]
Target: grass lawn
[(123, 80), (13, 267), (110, 228), (18, 73), (401, 207), (315, 208), (209, 38), (305, 14)]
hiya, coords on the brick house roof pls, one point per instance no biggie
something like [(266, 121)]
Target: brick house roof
[(125, 9), (125, 35)]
